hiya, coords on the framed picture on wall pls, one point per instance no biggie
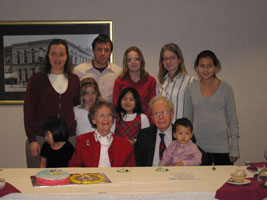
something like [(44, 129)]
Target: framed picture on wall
[(23, 46)]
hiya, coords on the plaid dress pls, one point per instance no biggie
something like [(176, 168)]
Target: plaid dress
[(128, 129)]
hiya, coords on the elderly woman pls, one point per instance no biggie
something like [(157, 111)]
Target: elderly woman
[(101, 148)]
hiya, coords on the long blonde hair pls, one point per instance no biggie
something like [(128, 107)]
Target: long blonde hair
[(177, 51)]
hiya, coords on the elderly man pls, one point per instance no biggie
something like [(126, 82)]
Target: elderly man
[(152, 141), (100, 68)]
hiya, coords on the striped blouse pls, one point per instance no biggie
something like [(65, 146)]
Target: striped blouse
[(174, 91)]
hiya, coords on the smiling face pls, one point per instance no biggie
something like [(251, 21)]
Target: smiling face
[(57, 57), (103, 120), (206, 68), (133, 62), (128, 102), (183, 134), (102, 53), (170, 61), (162, 115)]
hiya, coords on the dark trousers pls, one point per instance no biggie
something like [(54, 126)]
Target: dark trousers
[(218, 159)]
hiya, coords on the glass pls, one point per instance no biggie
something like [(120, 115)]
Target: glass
[(262, 178), (102, 115), (163, 113), (133, 59), (172, 58)]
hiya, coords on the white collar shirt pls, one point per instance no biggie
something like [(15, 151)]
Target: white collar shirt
[(104, 79), (167, 140), (105, 142)]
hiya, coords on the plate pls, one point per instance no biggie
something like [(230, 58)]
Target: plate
[(123, 170), (161, 169), (246, 181)]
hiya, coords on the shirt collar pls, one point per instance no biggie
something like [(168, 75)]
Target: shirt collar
[(183, 145), (166, 77), (168, 132), (98, 136), (90, 68)]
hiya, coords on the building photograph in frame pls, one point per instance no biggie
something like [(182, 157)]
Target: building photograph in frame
[(23, 46)]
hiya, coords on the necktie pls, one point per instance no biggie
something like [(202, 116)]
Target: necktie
[(162, 145)]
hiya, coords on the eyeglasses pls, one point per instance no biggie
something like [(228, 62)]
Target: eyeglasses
[(172, 58), (102, 115), (133, 59), (163, 113)]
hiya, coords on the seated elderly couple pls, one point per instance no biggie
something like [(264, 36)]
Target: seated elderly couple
[(102, 148)]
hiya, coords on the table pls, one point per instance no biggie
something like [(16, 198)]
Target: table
[(138, 183)]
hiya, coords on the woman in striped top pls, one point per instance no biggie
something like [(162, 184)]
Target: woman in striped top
[(173, 77)]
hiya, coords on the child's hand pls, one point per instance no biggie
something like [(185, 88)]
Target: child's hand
[(180, 163), (132, 142)]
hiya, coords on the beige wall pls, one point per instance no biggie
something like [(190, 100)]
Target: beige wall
[(235, 30)]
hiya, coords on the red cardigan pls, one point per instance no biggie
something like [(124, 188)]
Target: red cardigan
[(87, 152), (42, 101), (146, 87)]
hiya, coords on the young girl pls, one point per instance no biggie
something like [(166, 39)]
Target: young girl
[(89, 94), (173, 77), (182, 151), (130, 115), (57, 150), (210, 105), (134, 75)]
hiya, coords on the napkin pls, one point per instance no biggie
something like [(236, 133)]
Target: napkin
[(244, 192), (8, 189), (258, 164)]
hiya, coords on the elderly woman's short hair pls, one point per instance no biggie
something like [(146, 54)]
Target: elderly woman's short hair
[(96, 106)]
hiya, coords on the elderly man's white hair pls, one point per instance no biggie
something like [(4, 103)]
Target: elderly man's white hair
[(160, 98)]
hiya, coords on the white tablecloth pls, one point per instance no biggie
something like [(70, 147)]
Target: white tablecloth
[(138, 183)]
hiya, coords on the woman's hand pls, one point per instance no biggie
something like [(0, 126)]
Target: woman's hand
[(233, 159), (35, 149)]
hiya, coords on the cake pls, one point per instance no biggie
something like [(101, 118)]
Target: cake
[(87, 178), (52, 177)]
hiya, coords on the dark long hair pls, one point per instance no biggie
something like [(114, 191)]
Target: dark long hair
[(58, 128), (138, 105), (212, 56), (46, 65)]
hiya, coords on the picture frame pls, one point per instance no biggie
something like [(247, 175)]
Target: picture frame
[(23, 45)]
